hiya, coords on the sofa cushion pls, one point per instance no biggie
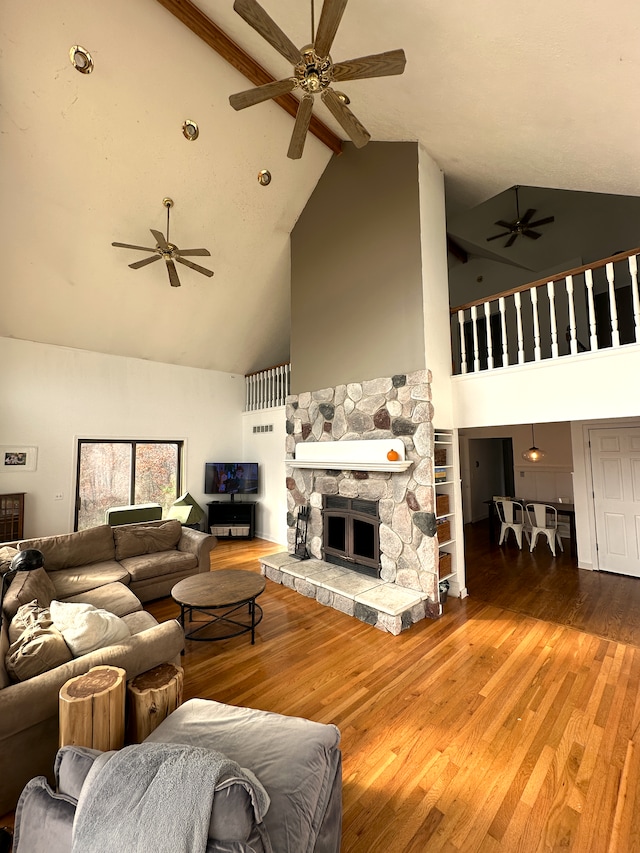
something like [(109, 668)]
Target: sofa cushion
[(68, 582), (25, 587), (4, 648), (114, 597), (140, 621), (155, 565), (296, 760), (85, 628), (132, 540), (44, 819), (74, 549)]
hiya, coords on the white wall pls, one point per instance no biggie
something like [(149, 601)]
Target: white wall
[(51, 396), (590, 385), (435, 286), (268, 450)]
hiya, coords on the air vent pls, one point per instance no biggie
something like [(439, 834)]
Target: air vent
[(263, 428)]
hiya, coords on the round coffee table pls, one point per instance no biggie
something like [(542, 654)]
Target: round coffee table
[(227, 596)]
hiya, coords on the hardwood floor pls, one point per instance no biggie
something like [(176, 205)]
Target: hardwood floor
[(498, 727)]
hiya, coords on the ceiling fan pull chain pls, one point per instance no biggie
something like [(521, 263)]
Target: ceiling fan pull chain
[(168, 209), (313, 26)]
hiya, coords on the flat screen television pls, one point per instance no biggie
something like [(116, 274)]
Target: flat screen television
[(231, 478)]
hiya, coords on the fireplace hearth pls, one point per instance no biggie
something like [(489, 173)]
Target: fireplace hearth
[(351, 534)]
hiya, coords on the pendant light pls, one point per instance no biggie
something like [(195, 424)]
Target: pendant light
[(533, 454)]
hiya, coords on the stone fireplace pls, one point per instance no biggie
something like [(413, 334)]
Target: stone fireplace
[(337, 445)]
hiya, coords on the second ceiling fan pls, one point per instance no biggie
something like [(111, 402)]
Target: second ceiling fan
[(522, 226), (314, 71)]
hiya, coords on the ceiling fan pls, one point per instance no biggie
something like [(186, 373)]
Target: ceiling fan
[(521, 227), (314, 71), (169, 252)]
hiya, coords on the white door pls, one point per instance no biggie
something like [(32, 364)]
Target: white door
[(615, 466)]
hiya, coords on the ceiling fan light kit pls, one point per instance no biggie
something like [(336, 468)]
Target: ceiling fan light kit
[(314, 71), (521, 226), (169, 252)]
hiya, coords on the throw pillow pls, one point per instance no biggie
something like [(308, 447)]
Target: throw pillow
[(42, 816), (28, 616), (132, 540), (85, 628), (36, 650), (7, 553), (25, 587)]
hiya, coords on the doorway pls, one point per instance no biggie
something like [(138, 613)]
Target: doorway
[(490, 472)]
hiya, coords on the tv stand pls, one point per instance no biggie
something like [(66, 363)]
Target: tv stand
[(233, 519)]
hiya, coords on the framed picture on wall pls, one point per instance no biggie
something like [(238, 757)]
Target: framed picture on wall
[(18, 458)]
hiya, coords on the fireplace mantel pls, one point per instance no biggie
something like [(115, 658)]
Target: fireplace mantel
[(366, 455)]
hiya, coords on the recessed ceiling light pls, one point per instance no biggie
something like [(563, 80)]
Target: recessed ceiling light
[(81, 59), (264, 177), (190, 130)]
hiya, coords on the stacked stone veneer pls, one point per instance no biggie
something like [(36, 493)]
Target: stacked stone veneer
[(391, 407)]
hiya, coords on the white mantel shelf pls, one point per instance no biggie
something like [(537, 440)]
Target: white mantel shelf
[(350, 455)]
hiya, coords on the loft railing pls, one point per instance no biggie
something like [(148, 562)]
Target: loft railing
[(267, 388), (585, 309)]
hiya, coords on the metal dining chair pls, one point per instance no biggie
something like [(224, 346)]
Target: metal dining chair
[(543, 518), (511, 515)]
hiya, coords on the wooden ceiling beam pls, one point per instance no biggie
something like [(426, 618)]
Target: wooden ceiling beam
[(211, 34)]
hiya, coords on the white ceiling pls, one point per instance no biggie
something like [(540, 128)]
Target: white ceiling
[(542, 94)]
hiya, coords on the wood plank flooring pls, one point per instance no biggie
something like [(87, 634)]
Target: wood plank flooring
[(498, 727)]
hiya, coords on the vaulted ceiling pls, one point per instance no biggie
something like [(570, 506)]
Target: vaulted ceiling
[(542, 94)]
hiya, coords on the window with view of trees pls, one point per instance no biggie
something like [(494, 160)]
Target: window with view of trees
[(119, 473)]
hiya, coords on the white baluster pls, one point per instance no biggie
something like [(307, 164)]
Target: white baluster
[(518, 302), (536, 323), (463, 346), (254, 393), (633, 269), (487, 322), (615, 334), (503, 329), (593, 326), (551, 294), (573, 343), (476, 352)]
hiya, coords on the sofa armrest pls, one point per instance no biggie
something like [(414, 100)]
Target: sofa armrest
[(30, 702), (198, 543)]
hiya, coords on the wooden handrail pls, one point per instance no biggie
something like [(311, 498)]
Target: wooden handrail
[(266, 369), (621, 256)]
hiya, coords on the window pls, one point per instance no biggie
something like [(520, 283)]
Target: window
[(119, 473)]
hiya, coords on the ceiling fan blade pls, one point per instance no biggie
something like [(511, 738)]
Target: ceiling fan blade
[(498, 236), (330, 18), (357, 132), (190, 253), (253, 13), (525, 219), (173, 274), (375, 65), (195, 267), (299, 135), (511, 240), (159, 237), (143, 263), (509, 225), (129, 246), (261, 93), (534, 235), (544, 221)]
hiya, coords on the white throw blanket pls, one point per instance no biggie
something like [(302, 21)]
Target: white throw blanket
[(85, 627), (154, 797)]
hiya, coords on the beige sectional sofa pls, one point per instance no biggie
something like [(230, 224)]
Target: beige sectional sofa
[(113, 569)]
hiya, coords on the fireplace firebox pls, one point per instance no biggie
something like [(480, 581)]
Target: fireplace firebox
[(351, 528)]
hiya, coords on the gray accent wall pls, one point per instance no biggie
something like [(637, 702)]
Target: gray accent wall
[(356, 271)]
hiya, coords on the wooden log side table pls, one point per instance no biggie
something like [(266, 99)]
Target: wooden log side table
[(91, 709), (151, 697), (227, 597)]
